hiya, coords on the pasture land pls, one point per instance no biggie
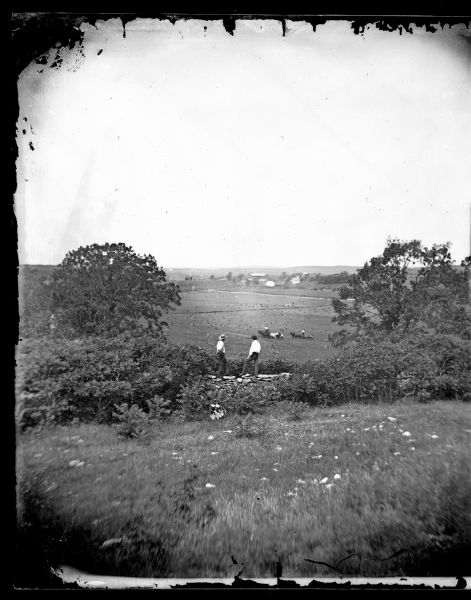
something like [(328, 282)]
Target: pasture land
[(207, 312), (388, 486)]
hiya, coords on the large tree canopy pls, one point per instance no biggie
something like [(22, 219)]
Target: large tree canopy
[(408, 286), (105, 289)]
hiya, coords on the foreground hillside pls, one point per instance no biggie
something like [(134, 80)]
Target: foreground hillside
[(389, 484)]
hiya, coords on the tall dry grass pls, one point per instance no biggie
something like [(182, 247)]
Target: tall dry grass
[(400, 506)]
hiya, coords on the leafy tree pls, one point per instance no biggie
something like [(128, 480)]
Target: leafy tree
[(408, 286), (105, 289), (229, 276)]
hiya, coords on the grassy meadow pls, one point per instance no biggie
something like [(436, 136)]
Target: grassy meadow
[(215, 307), (389, 484)]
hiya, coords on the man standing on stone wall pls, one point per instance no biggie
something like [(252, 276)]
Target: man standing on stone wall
[(254, 352), (221, 353)]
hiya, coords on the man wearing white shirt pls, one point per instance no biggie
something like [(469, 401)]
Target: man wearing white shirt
[(221, 352), (254, 352)]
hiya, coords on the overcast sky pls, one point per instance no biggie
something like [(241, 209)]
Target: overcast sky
[(206, 149)]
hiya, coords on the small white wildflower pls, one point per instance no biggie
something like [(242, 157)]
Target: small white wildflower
[(209, 485), (174, 453), (275, 470), (366, 429), (291, 494), (315, 481), (337, 476), (392, 419), (412, 448), (329, 485), (227, 431), (396, 453), (38, 455), (214, 453), (210, 437), (342, 415), (406, 434), (80, 463), (435, 437), (325, 480), (348, 429), (336, 457), (300, 481), (73, 463), (279, 448), (357, 453), (263, 478)]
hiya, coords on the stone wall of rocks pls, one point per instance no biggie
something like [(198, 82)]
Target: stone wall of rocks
[(232, 380)]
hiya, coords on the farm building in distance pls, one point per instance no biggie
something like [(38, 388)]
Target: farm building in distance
[(258, 277), (270, 283), (295, 280)]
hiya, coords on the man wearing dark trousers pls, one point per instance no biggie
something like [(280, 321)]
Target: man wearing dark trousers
[(221, 353), (254, 353)]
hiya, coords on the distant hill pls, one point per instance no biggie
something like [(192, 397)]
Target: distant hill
[(322, 269), (271, 271), (180, 272)]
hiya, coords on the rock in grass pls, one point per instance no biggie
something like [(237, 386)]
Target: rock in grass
[(112, 542)]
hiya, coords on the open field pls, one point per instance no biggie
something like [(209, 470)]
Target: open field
[(207, 312), (397, 494)]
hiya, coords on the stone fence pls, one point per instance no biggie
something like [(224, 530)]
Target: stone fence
[(232, 380)]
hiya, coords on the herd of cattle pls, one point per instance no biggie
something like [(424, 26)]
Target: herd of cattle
[(278, 335)]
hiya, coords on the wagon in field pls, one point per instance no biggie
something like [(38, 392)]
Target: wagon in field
[(274, 335), (302, 335)]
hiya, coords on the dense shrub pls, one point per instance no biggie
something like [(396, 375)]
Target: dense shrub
[(422, 367), (195, 399), (59, 380)]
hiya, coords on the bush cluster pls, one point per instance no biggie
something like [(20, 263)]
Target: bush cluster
[(59, 380), (422, 368)]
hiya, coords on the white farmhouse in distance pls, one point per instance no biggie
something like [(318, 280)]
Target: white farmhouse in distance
[(270, 283), (295, 280)]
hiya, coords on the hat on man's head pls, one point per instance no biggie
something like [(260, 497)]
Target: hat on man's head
[(254, 337), (222, 337)]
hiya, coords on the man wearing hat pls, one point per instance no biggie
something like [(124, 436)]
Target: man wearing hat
[(221, 352), (253, 356)]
